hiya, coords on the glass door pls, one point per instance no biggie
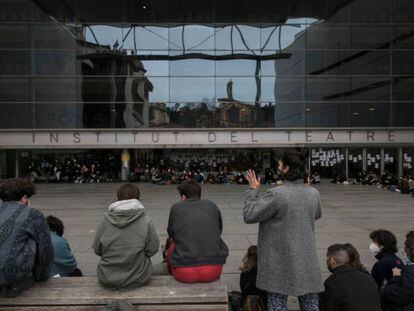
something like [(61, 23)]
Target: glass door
[(328, 163), (391, 161), (355, 162), (408, 162), (374, 161)]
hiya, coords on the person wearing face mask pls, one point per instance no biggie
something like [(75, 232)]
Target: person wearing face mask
[(347, 289), (384, 247), (26, 253), (398, 294), (287, 258)]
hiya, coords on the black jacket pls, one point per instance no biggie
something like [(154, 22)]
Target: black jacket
[(382, 269), (400, 289), (248, 285), (196, 226), (348, 289)]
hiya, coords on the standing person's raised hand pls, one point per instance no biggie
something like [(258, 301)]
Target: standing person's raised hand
[(254, 182)]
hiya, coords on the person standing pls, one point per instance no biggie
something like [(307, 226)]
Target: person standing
[(26, 252), (287, 258)]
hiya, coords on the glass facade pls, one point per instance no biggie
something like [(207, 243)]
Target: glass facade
[(215, 64)]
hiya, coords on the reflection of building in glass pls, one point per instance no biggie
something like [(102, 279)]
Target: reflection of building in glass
[(115, 91), (233, 113), (182, 64), (158, 115)]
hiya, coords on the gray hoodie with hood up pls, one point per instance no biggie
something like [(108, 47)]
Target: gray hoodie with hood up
[(125, 241)]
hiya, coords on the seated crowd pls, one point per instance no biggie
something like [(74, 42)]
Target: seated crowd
[(32, 249)]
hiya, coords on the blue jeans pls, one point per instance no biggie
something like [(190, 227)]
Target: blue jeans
[(278, 302)]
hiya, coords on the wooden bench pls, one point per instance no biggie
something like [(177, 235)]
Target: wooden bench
[(85, 294)]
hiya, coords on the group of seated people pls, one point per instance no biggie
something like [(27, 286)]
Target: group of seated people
[(73, 170), (404, 184), (33, 249)]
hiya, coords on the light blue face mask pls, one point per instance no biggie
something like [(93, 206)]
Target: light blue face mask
[(406, 259)]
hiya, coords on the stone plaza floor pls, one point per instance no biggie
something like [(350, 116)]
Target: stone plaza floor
[(350, 213)]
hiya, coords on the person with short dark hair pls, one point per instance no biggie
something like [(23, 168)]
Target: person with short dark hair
[(64, 263), (287, 258), (26, 254), (384, 247), (125, 240), (398, 294), (197, 253), (347, 289)]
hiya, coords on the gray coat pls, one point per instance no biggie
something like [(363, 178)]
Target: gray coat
[(287, 258)]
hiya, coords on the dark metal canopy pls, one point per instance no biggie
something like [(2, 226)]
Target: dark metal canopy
[(164, 12)]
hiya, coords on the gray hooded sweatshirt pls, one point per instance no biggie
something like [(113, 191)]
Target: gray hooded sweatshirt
[(125, 240)]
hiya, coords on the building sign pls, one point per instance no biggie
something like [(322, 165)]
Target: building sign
[(201, 138)]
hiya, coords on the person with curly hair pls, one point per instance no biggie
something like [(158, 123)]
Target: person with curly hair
[(384, 247), (26, 251), (398, 294)]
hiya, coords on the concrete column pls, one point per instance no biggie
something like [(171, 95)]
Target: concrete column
[(382, 161), (346, 163), (17, 163), (364, 159), (125, 164)]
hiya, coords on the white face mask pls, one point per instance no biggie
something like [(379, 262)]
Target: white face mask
[(374, 248)]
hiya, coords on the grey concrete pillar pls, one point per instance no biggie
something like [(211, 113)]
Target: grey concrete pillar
[(125, 164), (400, 162), (17, 163), (347, 163), (364, 159)]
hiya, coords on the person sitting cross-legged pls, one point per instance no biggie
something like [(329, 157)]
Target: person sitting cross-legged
[(197, 253), (347, 289)]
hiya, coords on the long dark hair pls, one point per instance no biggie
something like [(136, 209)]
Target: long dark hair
[(354, 258), (296, 160), (250, 259)]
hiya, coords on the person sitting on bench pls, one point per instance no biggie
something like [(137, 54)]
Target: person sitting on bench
[(26, 253), (125, 240), (64, 263), (197, 253)]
